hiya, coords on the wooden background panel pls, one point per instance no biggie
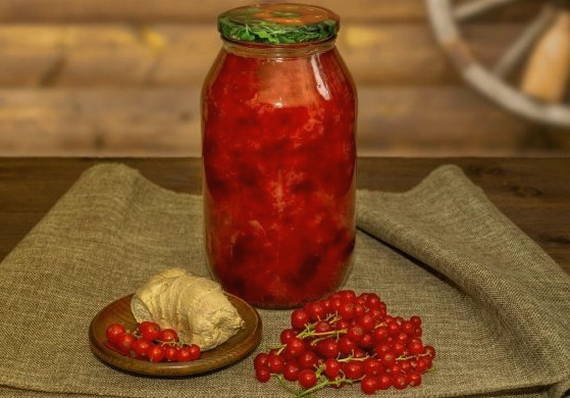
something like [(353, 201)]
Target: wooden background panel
[(177, 54), (107, 78), (184, 10), (166, 121)]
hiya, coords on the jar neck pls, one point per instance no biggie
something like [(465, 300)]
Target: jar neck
[(262, 50)]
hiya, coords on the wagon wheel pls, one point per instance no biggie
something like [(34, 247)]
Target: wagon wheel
[(541, 52)]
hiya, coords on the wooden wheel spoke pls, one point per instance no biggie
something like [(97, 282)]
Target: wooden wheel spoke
[(521, 46), (477, 7)]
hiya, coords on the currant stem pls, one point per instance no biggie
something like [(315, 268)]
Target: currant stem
[(286, 385), (404, 358)]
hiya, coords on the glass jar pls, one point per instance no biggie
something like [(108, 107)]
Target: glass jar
[(278, 118)]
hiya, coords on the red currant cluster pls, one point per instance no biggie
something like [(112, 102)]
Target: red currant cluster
[(345, 339), (149, 342)]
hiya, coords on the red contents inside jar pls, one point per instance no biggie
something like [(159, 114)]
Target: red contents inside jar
[(279, 167)]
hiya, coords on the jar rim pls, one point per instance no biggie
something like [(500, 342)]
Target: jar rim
[(267, 50)]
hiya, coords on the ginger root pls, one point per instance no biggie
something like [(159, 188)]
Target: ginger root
[(195, 307)]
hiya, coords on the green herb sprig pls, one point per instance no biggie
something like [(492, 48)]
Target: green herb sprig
[(260, 31)]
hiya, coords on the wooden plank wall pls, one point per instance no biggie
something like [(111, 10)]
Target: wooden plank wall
[(102, 77)]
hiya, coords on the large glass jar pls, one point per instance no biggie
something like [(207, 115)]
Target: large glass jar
[(278, 114)]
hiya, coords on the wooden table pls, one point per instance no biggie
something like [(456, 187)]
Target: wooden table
[(534, 193)]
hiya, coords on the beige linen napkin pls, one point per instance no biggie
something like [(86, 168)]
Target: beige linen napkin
[(495, 306)]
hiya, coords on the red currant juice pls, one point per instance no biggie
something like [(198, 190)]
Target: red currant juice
[(279, 164)]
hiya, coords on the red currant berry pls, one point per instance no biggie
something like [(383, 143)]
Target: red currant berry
[(168, 335), (140, 347), (367, 341), (358, 310), (377, 315), (332, 368), (307, 360), (346, 311), (342, 324), (275, 364), (336, 303), (416, 320), (316, 311), (366, 322), (361, 300), (400, 381), (429, 362), (322, 327), (398, 348), (414, 379), (401, 337), (346, 346), (372, 367), (328, 348), (380, 334), (195, 352), (124, 342), (327, 306), (291, 371), (405, 366), (395, 369), (260, 361), (373, 301), (155, 353), (113, 332), (417, 332), (388, 359), (422, 365), (295, 347), (382, 349), (287, 335), (307, 378), (415, 347), (149, 330), (353, 369), (299, 318), (393, 328), (408, 327), (355, 333), (183, 354), (384, 381), (170, 353), (369, 385), (262, 375), (359, 353), (430, 351), (347, 295)]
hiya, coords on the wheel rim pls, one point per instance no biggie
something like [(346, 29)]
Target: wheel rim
[(482, 79)]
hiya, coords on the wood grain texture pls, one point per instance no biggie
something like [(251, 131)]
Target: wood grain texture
[(431, 121), (181, 54), (181, 10), (237, 347), (534, 193)]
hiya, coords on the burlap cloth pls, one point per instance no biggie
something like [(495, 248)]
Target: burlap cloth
[(495, 306)]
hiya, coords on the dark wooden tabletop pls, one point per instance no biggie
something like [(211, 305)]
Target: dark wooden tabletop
[(534, 193)]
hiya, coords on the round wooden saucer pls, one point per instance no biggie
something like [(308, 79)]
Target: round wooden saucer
[(236, 348)]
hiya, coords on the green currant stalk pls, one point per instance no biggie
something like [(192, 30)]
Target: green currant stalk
[(352, 358), (286, 385), (325, 383)]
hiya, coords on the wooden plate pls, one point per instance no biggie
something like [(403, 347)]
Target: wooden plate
[(236, 348)]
